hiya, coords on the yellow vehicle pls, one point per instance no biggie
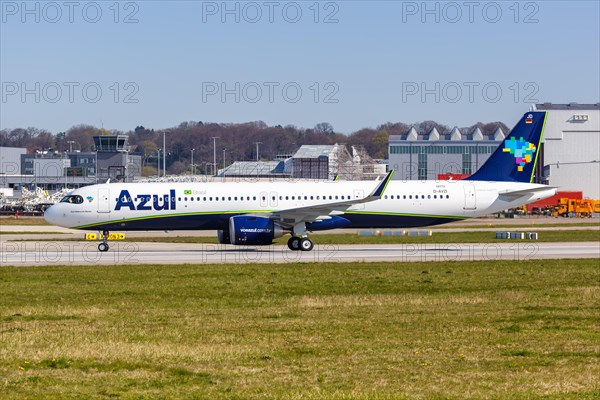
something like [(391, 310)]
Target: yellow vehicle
[(576, 208)]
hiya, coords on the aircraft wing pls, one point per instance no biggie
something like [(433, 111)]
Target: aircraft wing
[(292, 216)]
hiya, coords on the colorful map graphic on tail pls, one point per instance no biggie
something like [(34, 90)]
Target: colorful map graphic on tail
[(522, 150)]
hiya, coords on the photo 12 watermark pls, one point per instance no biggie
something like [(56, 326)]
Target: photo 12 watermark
[(60, 253), (54, 12), (253, 12), (470, 92), (270, 92), (69, 92), (453, 12)]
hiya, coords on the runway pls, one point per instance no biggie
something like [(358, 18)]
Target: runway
[(86, 253)]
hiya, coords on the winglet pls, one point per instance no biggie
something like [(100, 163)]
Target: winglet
[(336, 178), (378, 192)]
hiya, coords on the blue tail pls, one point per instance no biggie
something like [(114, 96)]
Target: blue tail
[(515, 159)]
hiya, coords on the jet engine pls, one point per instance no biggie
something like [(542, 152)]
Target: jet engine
[(247, 230)]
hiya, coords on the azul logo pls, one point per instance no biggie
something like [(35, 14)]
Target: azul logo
[(146, 202), (521, 149), (89, 199)]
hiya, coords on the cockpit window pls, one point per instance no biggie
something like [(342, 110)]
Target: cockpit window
[(73, 199)]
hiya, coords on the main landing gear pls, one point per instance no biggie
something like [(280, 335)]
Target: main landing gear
[(103, 246), (299, 239), (303, 244)]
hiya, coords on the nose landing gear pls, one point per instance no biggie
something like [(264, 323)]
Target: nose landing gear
[(103, 246)]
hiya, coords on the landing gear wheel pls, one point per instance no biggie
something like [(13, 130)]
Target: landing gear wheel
[(306, 244), (294, 243), (103, 247)]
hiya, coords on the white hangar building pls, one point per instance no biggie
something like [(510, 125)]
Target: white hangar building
[(570, 154)]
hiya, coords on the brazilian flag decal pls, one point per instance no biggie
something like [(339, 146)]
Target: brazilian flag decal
[(187, 192)]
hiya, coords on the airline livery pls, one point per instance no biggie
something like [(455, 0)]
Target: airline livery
[(256, 213)]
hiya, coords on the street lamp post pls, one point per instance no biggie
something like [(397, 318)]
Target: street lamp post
[(158, 163), (257, 157), (70, 145), (224, 150), (164, 154), (193, 162), (215, 154)]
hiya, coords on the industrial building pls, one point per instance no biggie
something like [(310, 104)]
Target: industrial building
[(422, 156), (321, 162), (10, 160), (570, 153)]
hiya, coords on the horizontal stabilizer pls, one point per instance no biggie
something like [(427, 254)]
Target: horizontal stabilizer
[(525, 192)]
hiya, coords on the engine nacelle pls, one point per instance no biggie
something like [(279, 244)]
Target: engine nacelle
[(224, 237), (247, 230)]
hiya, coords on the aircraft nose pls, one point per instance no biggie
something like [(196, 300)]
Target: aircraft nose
[(51, 215)]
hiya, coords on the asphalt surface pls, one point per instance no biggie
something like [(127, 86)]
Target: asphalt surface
[(34, 253), (39, 249)]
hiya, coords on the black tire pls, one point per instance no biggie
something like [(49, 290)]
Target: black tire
[(306, 244), (294, 243), (103, 247)]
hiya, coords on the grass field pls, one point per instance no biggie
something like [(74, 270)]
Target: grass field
[(501, 330), (23, 221)]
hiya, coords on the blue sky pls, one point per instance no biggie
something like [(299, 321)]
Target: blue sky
[(354, 64)]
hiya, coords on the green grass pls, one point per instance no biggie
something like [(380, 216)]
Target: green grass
[(495, 330), (23, 221)]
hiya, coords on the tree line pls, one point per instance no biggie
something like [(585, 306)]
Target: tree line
[(237, 142)]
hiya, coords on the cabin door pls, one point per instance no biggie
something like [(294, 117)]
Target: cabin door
[(470, 198), (104, 200)]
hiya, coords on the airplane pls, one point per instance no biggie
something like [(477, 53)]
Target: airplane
[(256, 213)]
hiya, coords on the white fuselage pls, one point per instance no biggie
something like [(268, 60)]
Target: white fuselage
[(188, 206)]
